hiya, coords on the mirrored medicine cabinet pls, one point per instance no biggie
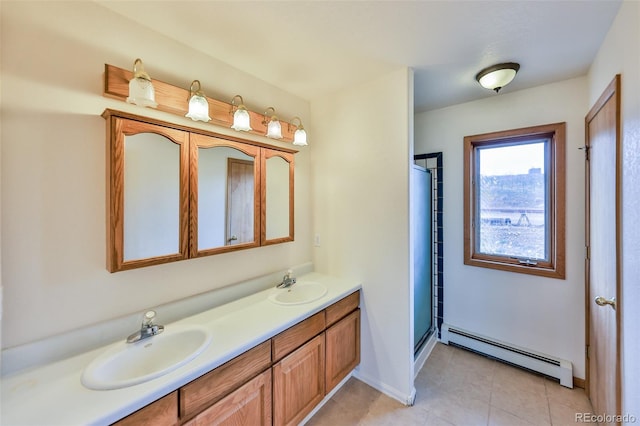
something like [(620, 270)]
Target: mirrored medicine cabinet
[(176, 193)]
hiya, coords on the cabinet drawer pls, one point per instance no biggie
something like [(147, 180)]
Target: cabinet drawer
[(297, 335), (341, 308), (213, 386), (248, 405), (163, 412)]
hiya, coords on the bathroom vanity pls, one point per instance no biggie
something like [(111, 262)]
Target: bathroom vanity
[(277, 382), (268, 363)]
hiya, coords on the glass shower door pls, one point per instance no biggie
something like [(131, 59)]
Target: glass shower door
[(422, 235)]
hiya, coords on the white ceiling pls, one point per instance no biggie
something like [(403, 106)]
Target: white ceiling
[(312, 48)]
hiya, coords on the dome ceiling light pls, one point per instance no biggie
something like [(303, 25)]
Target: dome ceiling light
[(497, 76)]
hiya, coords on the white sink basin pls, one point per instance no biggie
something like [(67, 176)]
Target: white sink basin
[(127, 364), (299, 293)]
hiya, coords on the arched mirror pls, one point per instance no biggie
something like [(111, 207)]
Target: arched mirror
[(277, 196), (225, 190), (148, 189)]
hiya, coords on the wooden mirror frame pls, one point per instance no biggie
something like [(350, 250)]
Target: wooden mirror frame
[(117, 129), (121, 124), (288, 157)]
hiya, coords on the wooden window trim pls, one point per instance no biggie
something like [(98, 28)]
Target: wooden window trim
[(555, 268)]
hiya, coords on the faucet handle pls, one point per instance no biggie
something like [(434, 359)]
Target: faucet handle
[(148, 318)]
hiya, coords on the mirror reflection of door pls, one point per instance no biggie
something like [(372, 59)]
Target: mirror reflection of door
[(216, 205), (240, 205)]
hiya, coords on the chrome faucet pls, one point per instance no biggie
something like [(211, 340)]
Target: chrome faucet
[(147, 329), (288, 280)]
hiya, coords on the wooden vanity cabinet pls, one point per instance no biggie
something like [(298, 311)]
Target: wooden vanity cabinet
[(303, 378), (278, 382)]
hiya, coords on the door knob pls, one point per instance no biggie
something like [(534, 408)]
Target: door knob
[(601, 301), (233, 238)]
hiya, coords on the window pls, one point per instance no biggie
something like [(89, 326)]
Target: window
[(514, 195)]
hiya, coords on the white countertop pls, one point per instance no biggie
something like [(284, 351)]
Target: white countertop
[(54, 395)]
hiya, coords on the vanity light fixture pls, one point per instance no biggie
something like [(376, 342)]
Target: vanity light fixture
[(300, 136), (141, 91), (497, 76), (274, 129), (241, 118), (198, 105)]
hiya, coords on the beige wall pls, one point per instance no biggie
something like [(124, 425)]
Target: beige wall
[(620, 54), (541, 314), (360, 177), (53, 169)]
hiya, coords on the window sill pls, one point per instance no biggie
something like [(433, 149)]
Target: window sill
[(542, 271)]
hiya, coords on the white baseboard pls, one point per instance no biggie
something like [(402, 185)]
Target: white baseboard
[(546, 364), (391, 392)]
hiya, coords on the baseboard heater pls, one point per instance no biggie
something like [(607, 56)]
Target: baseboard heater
[(559, 368)]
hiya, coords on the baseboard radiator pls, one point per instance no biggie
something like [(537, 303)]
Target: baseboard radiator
[(550, 366)]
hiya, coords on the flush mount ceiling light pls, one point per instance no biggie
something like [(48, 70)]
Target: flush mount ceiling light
[(300, 136), (241, 118), (141, 90), (274, 129), (198, 105), (497, 76)]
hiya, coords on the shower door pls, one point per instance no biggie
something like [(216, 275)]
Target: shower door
[(422, 246)]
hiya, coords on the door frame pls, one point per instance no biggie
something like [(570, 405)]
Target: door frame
[(612, 90)]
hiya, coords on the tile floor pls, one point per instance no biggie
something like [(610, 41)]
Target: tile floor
[(458, 387)]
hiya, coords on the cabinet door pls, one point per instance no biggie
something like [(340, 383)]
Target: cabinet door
[(343, 348), (163, 412), (147, 200), (277, 197), (298, 382), (248, 405)]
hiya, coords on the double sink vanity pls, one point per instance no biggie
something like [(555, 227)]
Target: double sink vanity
[(269, 358)]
